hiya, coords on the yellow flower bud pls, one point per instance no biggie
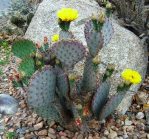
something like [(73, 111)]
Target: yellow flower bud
[(111, 66), (38, 55), (102, 17), (72, 77), (38, 63), (57, 61), (96, 60), (21, 74), (55, 38), (109, 5)]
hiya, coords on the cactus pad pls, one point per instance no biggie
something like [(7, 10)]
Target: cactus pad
[(49, 112), (94, 39), (23, 48), (66, 35), (107, 31), (111, 105), (62, 82), (89, 82), (69, 52), (100, 98), (41, 90), (27, 66)]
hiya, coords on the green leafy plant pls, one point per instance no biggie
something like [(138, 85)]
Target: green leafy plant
[(10, 135)]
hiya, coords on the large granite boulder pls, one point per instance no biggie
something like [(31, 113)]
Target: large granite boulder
[(124, 49)]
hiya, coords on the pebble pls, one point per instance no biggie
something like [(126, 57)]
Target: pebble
[(51, 130), (106, 132), (29, 136), (125, 136), (43, 132), (52, 136), (128, 122), (69, 133), (80, 136), (112, 134), (90, 137), (38, 126), (140, 115)]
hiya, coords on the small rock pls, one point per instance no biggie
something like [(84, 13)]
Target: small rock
[(125, 136), (23, 104), (52, 123), (61, 133), (128, 122), (6, 119), (51, 130), (69, 134), (90, 137), (63, 137), (29, 136), (112, 134), (9, 104), (103, 138), (147, 117), (80, 136), (43, 132), (140, 115), (106, 132), (38, 126), (39, 120), (141, 97), (52, 136)]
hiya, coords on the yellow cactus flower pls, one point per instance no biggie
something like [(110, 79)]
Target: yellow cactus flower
[(67, 14), (55, 38), (131, 76)]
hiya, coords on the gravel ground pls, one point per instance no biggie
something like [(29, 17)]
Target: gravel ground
[(28, 125)]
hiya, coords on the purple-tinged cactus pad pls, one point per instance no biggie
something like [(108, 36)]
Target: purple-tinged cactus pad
[(100, 98), (41, 90), (62, 82), (94, 39), (66, 35), (69, 52), (111, 105), (107, 31), (89, 82), (50, 113)]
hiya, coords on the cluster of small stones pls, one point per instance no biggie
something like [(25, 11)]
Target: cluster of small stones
[(28, 125)]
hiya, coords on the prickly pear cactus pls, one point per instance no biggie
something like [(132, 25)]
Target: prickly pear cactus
[(69, 52), (23, 48), (111, 105), (100, 98), (94, 39), (66, 35), (62, 82), (89, 81), (50, 113), (107, 31), (41, 90)]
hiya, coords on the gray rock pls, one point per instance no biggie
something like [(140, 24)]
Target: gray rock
[(124, 49), (8, 104)]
